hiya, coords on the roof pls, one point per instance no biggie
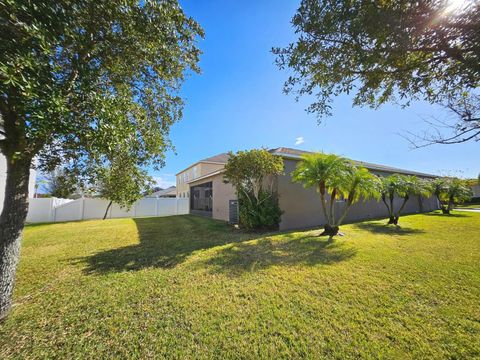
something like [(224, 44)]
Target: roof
[(220, 158), (216, 159), (170, 190), (296, 154), (206, 176)]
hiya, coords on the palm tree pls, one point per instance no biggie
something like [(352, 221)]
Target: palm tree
[(420, 188), (450, 191), (438, 188), (335, 176), (401, 186), (456, 192)]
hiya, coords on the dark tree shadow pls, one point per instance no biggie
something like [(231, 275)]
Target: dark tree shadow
[(164, 243), (167, 242), (285, 251), (379, 228)]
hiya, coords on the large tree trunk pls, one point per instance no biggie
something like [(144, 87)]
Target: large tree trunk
[(12, 219)]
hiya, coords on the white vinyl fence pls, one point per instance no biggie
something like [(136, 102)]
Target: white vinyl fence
[(58, 210)]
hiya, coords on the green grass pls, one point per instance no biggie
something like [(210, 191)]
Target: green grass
[(469, 206), (188, 287)]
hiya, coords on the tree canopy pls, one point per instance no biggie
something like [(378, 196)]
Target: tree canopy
[(84, 80), (383, 51)]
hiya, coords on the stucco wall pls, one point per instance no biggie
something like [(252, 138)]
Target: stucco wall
[(222, 194), (476, 190), (183, 188), (302, 206)]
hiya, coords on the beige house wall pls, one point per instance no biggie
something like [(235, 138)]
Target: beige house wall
[(301, 207), (192, 172), (476, 190), (221, 195)]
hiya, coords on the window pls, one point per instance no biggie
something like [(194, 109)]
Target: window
[(195, 172)]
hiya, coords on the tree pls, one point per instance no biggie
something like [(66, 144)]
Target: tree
[(59, 184), (389, 51), (80, 82), (252, 174), (123, 183), (335, 176), (401, 186), (450, 191), (421, 189), (438, 188)]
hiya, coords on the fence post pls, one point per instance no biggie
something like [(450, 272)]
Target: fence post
[(82, 207), (156, 206), (53, 211), (176, 206)]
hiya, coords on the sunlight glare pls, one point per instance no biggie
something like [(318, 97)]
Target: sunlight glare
[(455, 6)]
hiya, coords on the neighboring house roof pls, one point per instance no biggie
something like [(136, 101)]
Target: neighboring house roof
[(296, 154), (168, 191)]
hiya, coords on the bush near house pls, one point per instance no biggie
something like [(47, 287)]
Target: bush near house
[(252, 174)]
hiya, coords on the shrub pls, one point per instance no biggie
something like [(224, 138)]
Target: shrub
[(264, 214), (252, 173)]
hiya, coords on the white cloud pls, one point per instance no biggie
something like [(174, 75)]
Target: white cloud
[(164, 180), (299, 140)]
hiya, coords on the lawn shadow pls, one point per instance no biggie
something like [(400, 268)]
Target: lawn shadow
[(164, 243), (284, 250), (378, 228)]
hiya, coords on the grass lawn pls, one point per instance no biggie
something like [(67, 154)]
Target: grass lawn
[(469, 206), (188, 287)]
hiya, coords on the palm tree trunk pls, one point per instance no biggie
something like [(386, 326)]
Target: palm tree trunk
[(397, 217), (324, 207), (332, 209), (451, 202), (391, 219), (12, 220)]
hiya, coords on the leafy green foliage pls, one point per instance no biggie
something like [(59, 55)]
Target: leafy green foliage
[(383, 51), (60, 184), (83, 81), (123, 183), (264, 214), (335, 176), (252, 174), (450, 191)]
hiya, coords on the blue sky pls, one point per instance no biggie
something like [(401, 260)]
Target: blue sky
[(237, 102)]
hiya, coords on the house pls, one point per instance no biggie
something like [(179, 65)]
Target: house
[(198, 170), (211, 196), (169, 192), (3, 177), (476, 191)]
